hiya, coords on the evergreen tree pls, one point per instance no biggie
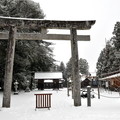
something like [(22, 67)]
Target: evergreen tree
[(30, 56), (83, 66), (68, 70), (108, 61), (62, 69), (21, 8), (116, 36)]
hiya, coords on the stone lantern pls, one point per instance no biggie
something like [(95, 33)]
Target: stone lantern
[(16, 87), (27, 86)]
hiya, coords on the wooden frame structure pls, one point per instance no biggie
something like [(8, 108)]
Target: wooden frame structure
[(43, 100), (13, 23)]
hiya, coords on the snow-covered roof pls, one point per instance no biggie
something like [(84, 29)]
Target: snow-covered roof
[(48, 75), (83, 78), (48, 81), (111, 76)]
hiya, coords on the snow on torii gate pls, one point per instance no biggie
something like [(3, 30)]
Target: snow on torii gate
[(13, 23)]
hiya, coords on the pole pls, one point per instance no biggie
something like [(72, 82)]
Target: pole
[(68, 88), (72, 88), (75, 67), (88, 96), (98, 89), (9, 67)]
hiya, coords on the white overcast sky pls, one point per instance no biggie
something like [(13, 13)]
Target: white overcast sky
[(105, 12)]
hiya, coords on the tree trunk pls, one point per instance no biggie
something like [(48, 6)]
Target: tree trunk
[(9, 67), (75, 68)]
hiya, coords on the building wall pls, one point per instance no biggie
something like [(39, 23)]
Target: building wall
[(41, 85)]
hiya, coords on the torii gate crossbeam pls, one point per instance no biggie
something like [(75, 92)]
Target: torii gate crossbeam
[(37, 24), (38, 36)]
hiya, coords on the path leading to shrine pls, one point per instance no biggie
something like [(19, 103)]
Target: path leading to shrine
[(23, 107)]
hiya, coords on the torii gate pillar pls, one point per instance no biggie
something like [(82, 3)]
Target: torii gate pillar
[(9, 67), (75, 67)]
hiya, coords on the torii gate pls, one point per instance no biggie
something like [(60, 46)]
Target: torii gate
[(13, 23)]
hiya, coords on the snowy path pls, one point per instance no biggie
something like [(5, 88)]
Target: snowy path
[(23, 108)]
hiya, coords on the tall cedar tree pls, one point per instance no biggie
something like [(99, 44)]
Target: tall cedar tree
[(30, 56), (105, 60), (62, 69), (108, 61), (83, 67)]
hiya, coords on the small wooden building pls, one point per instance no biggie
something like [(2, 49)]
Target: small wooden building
[(112, 81), (85, 83), (47, 80)]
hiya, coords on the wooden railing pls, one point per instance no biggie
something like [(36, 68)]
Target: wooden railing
[(43, 100)]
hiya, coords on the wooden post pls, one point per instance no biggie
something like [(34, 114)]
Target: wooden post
[(72, 87), (68, 88), (9, 67), (88, 96), (98, 89), (75, 67)]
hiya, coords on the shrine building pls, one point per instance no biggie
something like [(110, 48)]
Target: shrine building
[(48, 80)]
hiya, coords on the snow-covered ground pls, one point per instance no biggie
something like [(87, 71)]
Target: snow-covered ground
[(23, 107)]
